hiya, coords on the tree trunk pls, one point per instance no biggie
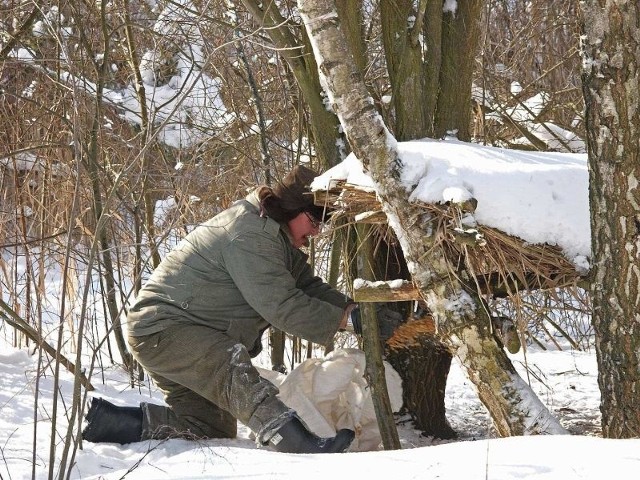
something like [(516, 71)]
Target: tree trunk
[(407, 72), (460, 316), (610, 87), (333, 275), (460, 34), (415, 67), (423, 362), (324, 124), (92, 164), (437, 70)]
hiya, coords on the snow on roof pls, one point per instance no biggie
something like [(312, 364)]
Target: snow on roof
[(541, 197)]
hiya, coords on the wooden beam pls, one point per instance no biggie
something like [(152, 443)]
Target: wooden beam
[(389, 291)]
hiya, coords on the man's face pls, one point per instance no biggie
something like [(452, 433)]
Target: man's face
[(302, 227)]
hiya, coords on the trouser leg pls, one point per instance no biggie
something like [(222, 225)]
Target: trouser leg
[(188, 415), (213, 366)]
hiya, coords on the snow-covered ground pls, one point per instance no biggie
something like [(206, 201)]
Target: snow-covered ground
[(539, 197), (564, 380)]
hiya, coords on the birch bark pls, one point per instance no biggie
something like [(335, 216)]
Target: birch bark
[(463, 323), (611, 88)]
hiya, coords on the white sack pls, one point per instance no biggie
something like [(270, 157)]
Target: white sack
[(331, 393)]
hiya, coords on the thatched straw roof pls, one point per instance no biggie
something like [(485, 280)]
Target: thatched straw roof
[(501, 264)]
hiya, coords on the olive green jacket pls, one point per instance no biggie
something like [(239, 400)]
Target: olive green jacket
[(238, 273)]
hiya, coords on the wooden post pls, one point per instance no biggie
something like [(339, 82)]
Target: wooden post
[(337, 243), (374, 371)]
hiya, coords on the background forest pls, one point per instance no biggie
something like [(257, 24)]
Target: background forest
[(117, 114), (126, 123)]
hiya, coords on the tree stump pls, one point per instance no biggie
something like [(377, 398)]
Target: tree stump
[(423, 363)]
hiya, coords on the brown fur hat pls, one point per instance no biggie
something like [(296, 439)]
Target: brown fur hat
[(291, 196)]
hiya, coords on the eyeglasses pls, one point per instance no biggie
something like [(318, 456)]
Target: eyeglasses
[(314, 222)]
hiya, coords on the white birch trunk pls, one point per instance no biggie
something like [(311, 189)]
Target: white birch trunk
[(462, 321), (611, 87)]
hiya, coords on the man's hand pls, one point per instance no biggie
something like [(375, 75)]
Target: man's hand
[(355, 320), (388, 320)]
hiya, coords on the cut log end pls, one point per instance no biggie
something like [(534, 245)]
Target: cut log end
[(408, 334)]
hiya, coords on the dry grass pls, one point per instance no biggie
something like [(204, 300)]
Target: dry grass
[(535, 285), (501, 265)]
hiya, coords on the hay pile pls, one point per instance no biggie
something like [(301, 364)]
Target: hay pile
[(499, 264)]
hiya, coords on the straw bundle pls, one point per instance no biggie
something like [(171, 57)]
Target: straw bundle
[(497, 263)]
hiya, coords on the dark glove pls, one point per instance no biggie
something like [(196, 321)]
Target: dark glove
[(355, 320), (388, 320)]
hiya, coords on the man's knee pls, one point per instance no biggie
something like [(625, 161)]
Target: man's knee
[(187, 421)]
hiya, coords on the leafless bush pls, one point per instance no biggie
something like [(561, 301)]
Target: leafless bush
[(528, 83)]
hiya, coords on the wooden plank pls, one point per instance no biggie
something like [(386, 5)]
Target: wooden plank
[(390, 291)]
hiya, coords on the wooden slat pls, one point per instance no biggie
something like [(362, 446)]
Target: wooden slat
[(395, 291)]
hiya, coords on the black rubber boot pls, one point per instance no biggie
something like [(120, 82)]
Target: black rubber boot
[(109, 423), (293, 437)]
